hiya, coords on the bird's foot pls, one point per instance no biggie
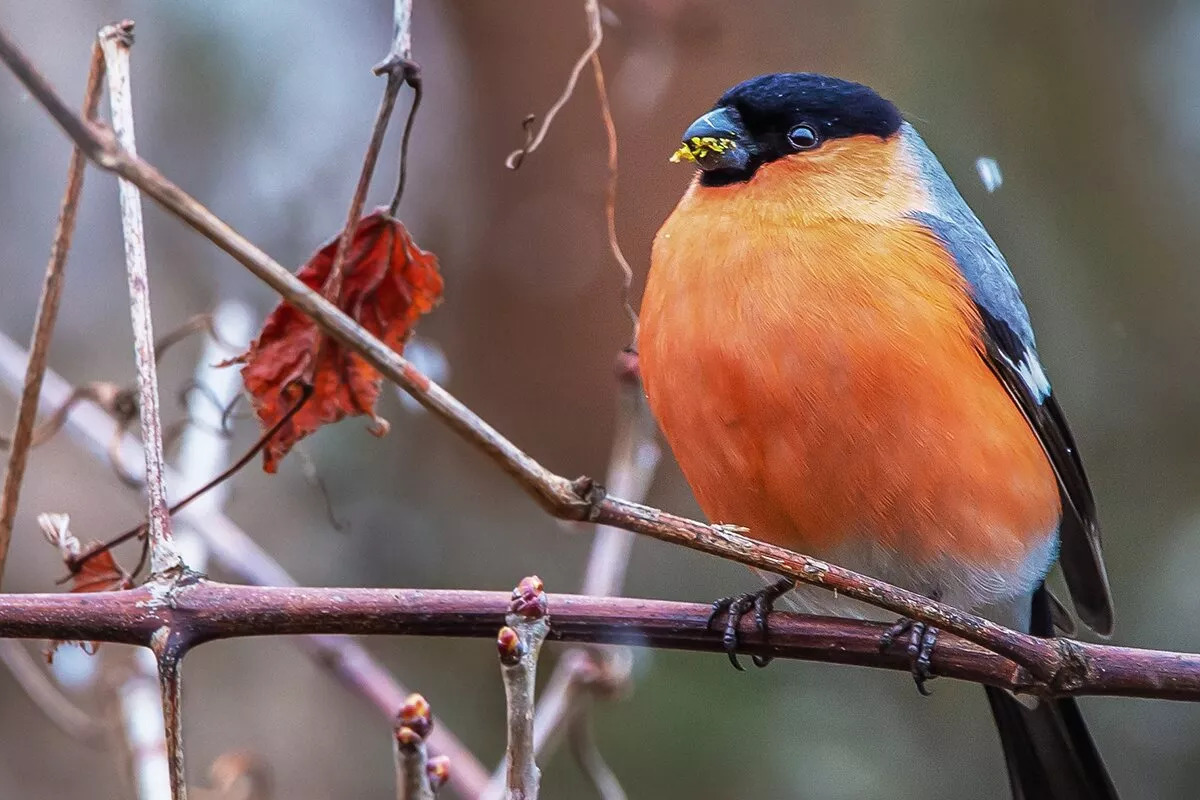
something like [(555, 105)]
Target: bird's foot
[(922, 638), (761, 602)]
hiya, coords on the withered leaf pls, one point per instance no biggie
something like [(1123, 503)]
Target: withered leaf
[(389, 283)]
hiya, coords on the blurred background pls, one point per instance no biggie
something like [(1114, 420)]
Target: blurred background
[(262, 111)]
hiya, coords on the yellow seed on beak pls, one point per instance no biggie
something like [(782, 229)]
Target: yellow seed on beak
[(684, 153), (698, 147)]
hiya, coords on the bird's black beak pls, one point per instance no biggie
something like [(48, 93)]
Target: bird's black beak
[(716, 141)]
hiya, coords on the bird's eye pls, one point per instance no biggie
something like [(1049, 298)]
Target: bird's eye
[(803, 137)]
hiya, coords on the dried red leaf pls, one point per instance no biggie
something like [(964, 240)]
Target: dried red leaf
[(100, 573), (389, 282)]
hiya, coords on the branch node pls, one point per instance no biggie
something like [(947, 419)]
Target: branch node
[(592, 493), (1072, 668)]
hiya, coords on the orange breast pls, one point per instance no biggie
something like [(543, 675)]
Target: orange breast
[(821, 384)]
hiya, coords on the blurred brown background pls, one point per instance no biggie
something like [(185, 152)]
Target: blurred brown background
[(262, 109)]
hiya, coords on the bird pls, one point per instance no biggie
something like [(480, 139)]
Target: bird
[(840, 359)]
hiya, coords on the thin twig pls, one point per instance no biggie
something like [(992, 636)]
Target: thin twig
[(235, 552), (193, 324), (400, 69), (47, 313), (610, 196), (116, 41), (520, 642), (411, 756), (581, 499), (332, 288), (203, 611), (533, 140), (400, 59), (30, 675)]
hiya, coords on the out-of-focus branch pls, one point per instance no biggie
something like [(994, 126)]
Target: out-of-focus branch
[(519, 643), (587, 755), (47, 313), (413, 724), (581, 499), (235, 552), (69, 718), (203, 611), (116, 41)]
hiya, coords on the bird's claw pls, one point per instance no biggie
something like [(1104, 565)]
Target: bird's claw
[(737, 606), (922, 638)]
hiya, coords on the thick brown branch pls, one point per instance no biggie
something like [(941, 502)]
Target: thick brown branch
[(204, 611), (574, 500)]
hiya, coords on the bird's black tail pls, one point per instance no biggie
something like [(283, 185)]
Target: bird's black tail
[(1048, 749)]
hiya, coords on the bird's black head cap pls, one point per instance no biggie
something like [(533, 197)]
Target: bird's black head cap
[(776, 115)]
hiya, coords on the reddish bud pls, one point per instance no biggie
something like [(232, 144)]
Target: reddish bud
[(416, 715), (510, 646), (438, 770), (407, 737), (529, 598)]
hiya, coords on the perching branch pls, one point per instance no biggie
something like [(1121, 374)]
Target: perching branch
[(519, 642), (116, 41), (202, 611), (47, 313), (581, 499)]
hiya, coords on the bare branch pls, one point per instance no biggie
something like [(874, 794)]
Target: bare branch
[(346, 659), (202, 611), (47, 313), (116, 41), (520, 643)]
